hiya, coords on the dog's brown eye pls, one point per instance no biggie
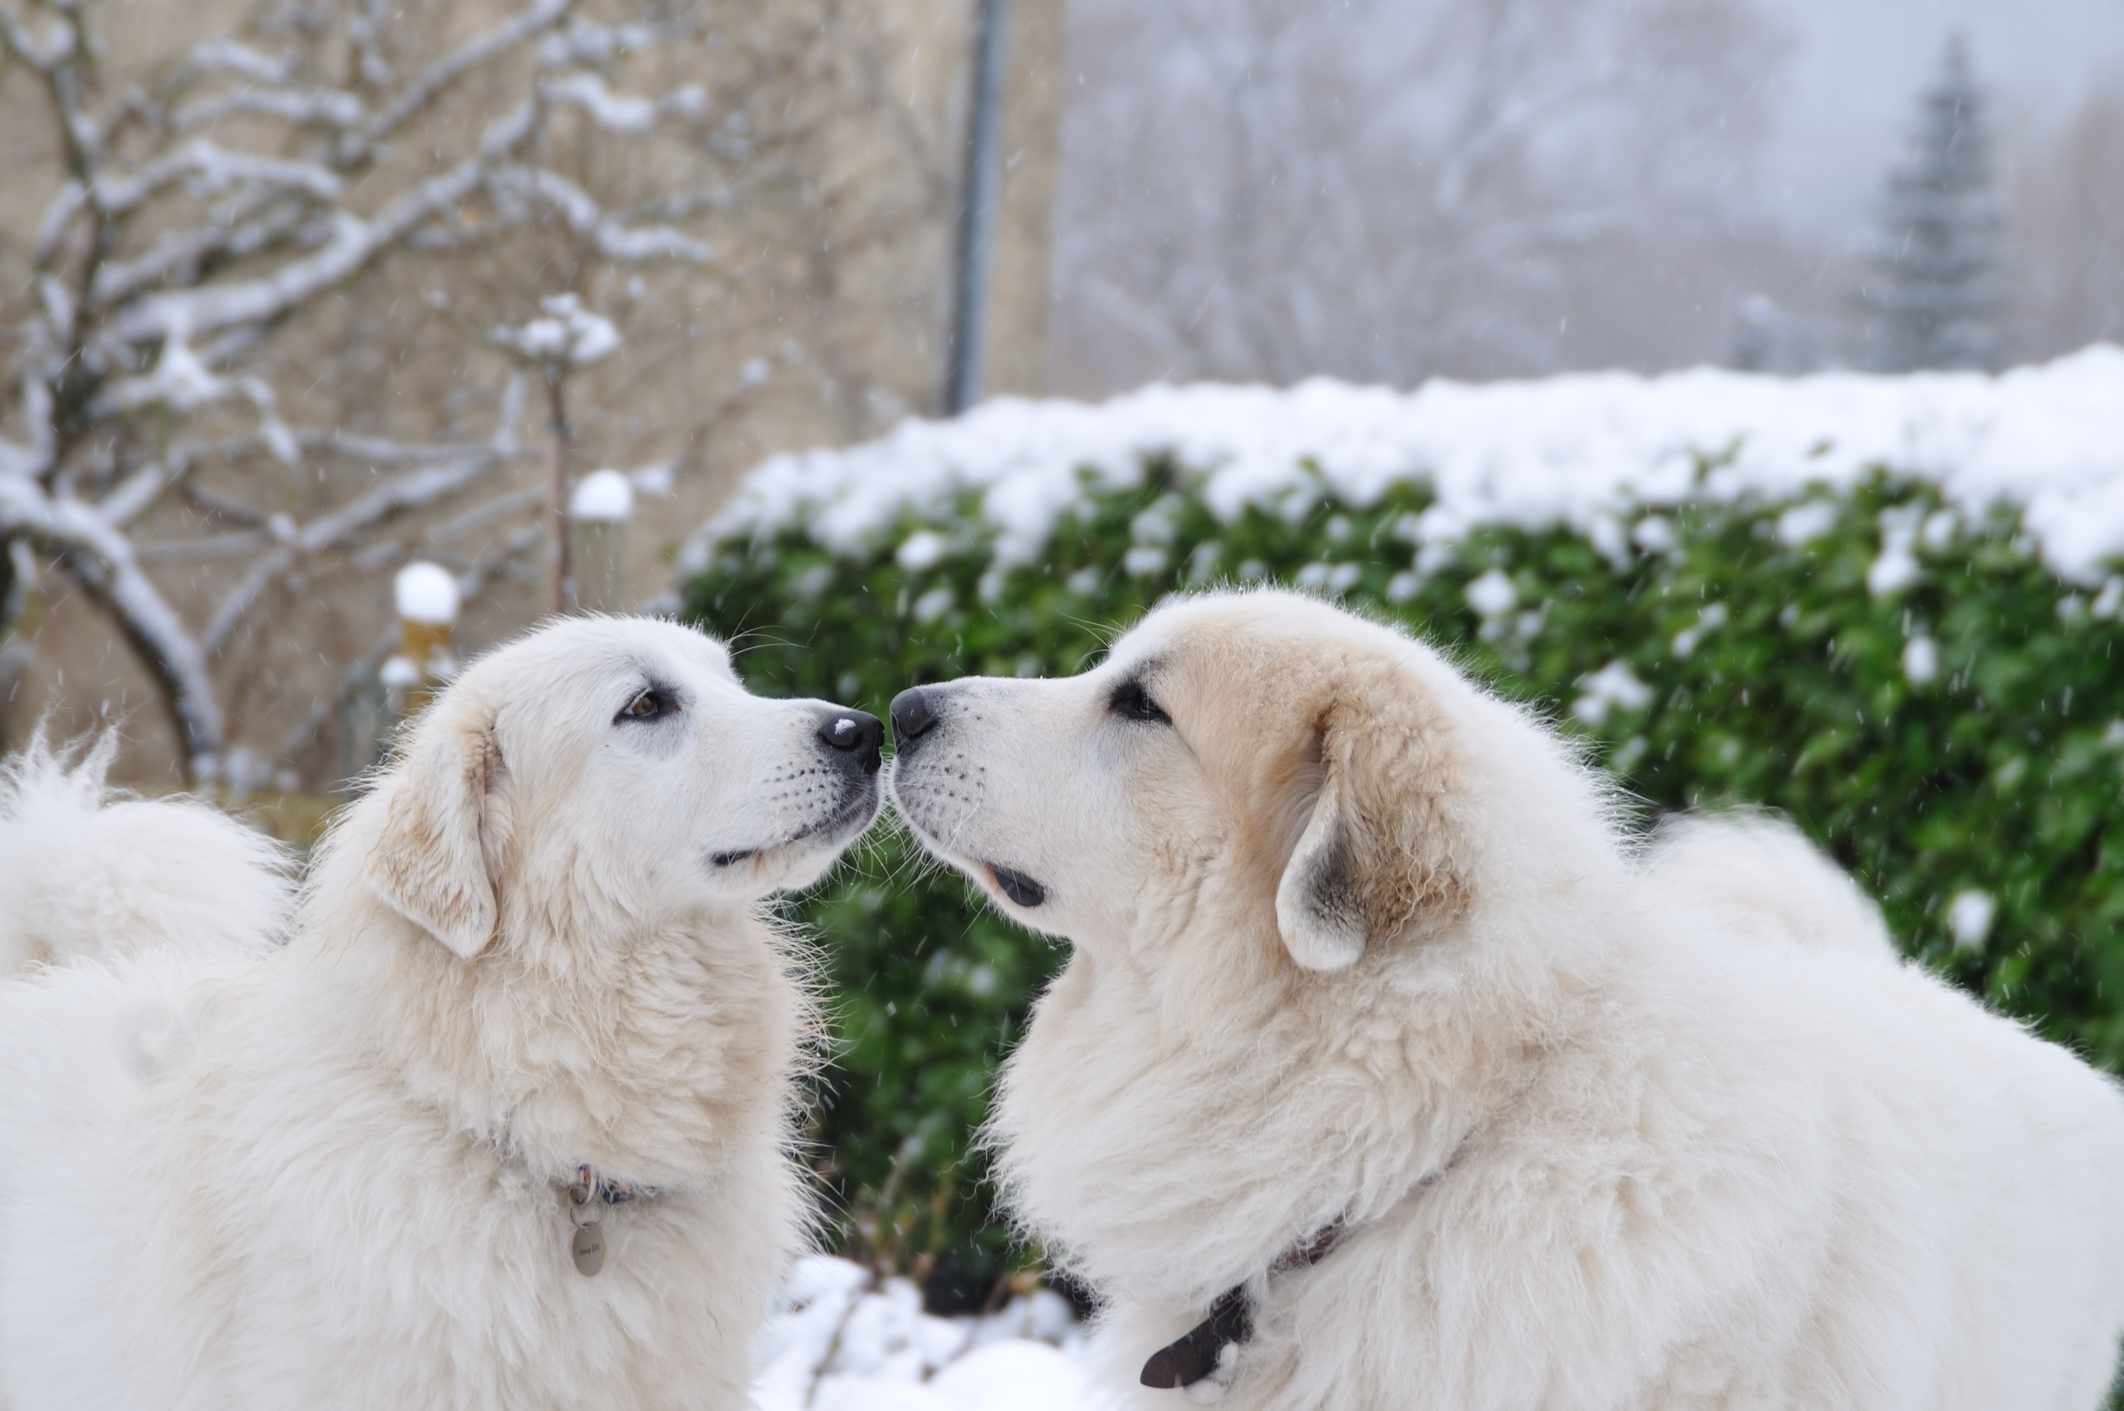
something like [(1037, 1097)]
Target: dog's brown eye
[(652, 703), (1131, 702)]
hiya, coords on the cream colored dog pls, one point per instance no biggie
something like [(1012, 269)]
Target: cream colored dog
[(1385, 1065), (504, 1124)]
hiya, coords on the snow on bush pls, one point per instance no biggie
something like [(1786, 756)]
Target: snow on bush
[(1568, 450)]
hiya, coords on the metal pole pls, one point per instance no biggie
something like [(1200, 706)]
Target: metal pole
[(977, 213)]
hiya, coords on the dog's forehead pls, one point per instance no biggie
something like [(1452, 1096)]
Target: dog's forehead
[(587, 650), (1224, 630)]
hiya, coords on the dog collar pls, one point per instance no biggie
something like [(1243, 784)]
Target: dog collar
[(1198, 1352), (589, 1196)]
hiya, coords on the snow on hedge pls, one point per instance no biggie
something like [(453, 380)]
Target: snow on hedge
[(1574, 449)]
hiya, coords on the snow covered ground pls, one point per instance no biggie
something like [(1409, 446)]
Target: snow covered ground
[(842, 1341), (1569, 449)]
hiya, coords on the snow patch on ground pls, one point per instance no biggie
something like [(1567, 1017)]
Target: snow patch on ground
[(842, 1340), (1578, 450)]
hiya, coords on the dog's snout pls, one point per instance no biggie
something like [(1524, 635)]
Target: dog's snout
[(913, 713), (856, 733)]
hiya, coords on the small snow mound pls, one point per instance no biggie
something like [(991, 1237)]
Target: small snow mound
[(1492, 595), (1612, 687), (1969, 918), (1802, 524), (1921, 660), (603, 496), (425, 592), (934, 604), (568, 334), (1712, 616), (922, 551)]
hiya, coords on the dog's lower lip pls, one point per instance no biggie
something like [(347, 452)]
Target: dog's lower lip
[(854, 808), (1017, 886)]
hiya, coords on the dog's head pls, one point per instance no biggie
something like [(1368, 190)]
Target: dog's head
[(1242, 766), (611, 771)]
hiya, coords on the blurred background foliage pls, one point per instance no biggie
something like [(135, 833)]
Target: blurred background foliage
[(1918, 691)]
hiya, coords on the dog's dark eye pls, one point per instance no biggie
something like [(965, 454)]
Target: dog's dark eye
[(650, 703), (1131, 702)]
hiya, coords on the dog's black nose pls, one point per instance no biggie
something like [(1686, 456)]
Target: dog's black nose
[(854, 732), (913, 713)]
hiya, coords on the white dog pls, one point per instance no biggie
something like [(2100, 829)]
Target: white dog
[(1384, 1074), (506, 1122)]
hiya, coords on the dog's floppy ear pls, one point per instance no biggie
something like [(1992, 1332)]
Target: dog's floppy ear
[(445, 826), (1375, 859)]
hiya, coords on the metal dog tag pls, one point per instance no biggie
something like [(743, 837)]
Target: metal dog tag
[(588, 1248)]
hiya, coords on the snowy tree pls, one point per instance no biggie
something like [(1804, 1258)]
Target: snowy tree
[(1932, 299), (1379, 189), (289, 302)]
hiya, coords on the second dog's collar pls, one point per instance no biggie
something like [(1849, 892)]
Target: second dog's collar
[(1196, 1353)]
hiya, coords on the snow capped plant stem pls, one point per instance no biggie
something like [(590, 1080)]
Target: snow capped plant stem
[(427, 599)]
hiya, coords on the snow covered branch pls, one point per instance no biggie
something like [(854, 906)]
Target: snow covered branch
[(102, 561), (517, 189), (445, 72), (354, 245)]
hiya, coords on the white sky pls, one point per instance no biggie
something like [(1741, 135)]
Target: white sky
[(1858, 66)]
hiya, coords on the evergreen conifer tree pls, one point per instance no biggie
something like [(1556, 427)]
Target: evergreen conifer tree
[(1931, 299)]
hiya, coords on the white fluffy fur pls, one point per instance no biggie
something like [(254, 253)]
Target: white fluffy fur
[(84, 872), (333, 1181), (1748, 874), (1610, 1132)]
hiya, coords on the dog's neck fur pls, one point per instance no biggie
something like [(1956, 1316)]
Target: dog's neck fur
[(1128, 1163), (556, 1046)]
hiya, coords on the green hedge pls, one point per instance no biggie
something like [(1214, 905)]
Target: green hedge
[(1762, 666)]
